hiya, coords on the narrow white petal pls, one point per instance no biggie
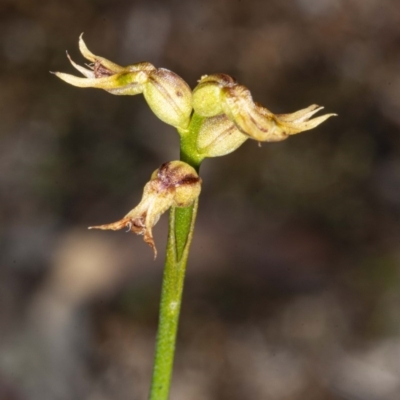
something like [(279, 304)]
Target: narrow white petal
[(115, 68), (300, 115), (85, 51), (88, 73)]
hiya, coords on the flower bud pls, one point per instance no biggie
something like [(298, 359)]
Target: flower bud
[(167, 94), (219, 136), (169, 97), (174, 184), (207, 100)]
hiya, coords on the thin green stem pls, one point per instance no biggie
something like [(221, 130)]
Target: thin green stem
[(180, 234), (171, 297)]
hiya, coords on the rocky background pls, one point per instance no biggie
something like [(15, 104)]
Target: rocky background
[(293, 286)]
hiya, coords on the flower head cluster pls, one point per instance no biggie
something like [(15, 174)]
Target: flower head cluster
[(213, 120), (230, 114)]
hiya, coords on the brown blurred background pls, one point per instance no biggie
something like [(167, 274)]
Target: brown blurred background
[(293, 288)]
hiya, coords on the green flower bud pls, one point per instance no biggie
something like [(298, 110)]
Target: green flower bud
[(207, 100), (219, 136), (169, 97), (174, 184), (167, 94)]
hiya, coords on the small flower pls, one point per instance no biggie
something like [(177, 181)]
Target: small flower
[(220, 94), (167, 94), (174, 184)]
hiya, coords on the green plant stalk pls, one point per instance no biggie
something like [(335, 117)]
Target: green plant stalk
[(180, 234)]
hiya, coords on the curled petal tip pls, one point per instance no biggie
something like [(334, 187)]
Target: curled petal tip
[(301, 115), (107, 64), (88, 73), (85, 51), (302, 124), (151, 243)]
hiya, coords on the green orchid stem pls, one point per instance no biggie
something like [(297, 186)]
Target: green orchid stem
[(180, 234)]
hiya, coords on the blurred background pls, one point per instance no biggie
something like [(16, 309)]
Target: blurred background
[(293, 288)]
